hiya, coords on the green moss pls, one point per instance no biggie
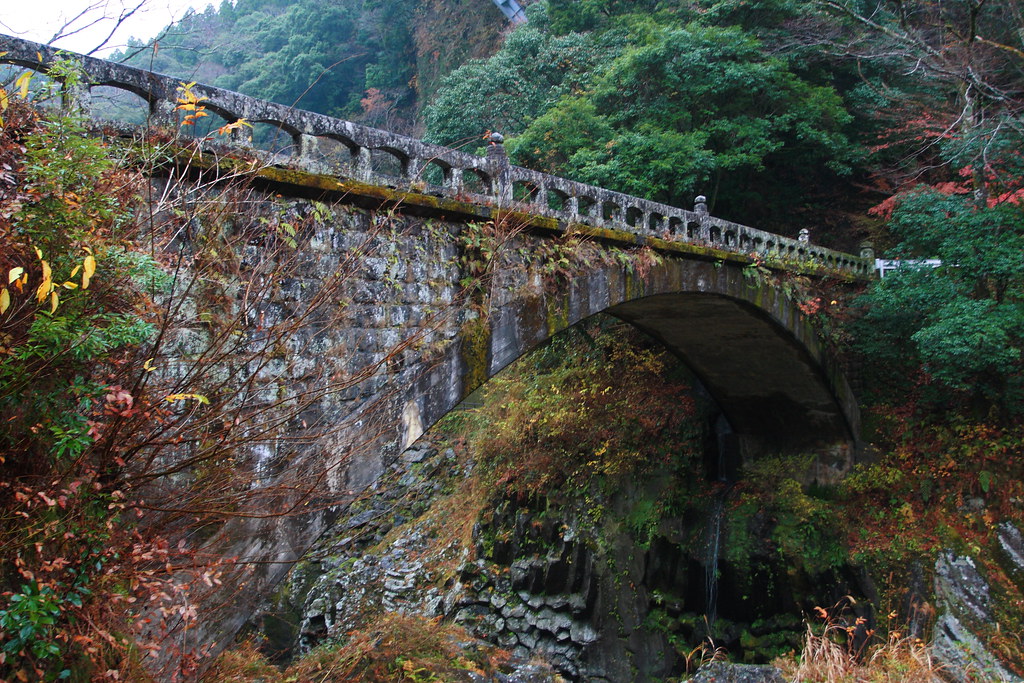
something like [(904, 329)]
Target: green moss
[(557, 315), (474, 349), (356, 191)]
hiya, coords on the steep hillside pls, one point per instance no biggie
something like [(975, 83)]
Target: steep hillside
[(371, 60)]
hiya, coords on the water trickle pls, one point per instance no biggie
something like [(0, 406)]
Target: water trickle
[(711, 558), (723, 432)]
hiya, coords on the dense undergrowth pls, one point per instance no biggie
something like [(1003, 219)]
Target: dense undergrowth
[(76, 310), (140, 380), (590, 406), (390, 647)]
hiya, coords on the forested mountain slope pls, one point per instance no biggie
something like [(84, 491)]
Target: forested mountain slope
[(784, 113), (372, 60)]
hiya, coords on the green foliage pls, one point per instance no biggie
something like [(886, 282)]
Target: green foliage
[(665, 105), (771, 515), (29, 618), (590, 406), (677, 135), (963, 322), (320, 56), (506, 92), (73, 307)]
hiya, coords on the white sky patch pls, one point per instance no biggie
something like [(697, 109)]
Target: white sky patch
[(91, 20)]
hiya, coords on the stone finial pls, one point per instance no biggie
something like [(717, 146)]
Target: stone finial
[(496, 156), (700, 204), (867, 249), (805, 235)]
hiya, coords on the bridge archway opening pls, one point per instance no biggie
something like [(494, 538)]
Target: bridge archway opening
[(112, 103), (436, 173), (203, 126), (634, 217), (705, 580), (656, 224), (476, 182), (388, 162), (747, 342), (610, 211), (336, 152), (586, 205), (557, 200), (270, 136), (525, 192), (722, 454)]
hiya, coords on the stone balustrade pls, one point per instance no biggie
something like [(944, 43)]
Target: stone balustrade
[(328, 145)]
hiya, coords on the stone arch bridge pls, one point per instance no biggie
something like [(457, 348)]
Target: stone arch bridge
[(689, 279)]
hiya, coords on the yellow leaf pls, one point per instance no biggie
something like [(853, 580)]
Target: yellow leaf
[(234, 125), (5, 300), (88, 270), (74, 271), (22, 83), (4, 100), (183, 397), (46, 286), (70, 285), (148, 365), (53, 301), (14, 273), (39, 253)]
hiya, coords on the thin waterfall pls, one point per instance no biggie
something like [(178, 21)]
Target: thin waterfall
[(717, 514), (711, 560)]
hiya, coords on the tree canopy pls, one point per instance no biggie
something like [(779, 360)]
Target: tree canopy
[(665, 105)]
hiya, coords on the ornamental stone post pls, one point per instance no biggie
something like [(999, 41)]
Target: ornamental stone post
[(497, 166)]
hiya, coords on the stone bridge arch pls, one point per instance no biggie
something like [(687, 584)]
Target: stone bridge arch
[(745, 339), (742, 336)]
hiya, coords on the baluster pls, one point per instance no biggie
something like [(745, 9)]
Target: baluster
[(572, 206), (412, 168), (364, 164), (453, 180)]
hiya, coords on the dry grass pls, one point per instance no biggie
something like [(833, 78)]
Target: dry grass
[(242, 663), (831, 657), (399, 648), (393, 648)]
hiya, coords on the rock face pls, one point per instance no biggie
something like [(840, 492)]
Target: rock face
[(528, 577), (721, 672), (385, 556), (965, 611), (568, 599)]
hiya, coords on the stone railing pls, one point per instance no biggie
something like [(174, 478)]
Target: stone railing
[(373, 156)]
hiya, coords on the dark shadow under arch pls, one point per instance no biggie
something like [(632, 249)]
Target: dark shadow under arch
[(746, 341)]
